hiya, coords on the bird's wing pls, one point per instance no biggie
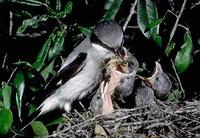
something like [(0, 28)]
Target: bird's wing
[(82, 47), (68, 71)]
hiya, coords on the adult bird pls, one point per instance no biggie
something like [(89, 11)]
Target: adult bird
[(81, 71)]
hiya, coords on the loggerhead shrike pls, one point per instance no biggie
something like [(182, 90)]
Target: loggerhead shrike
[(83, 67)]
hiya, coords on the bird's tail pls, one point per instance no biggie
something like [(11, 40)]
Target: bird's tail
[(48, 105)]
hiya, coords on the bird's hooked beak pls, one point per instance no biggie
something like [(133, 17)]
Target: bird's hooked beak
[(120, 52)]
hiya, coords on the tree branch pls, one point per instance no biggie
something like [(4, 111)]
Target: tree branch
[(132, 11)]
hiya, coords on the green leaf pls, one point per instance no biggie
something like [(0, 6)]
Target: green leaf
[(19, 83), (6, 92), (68, 7), (84, 30), (158, 40), (39, 128), (32, 108), (45, 73), (184, 57), (154, 23), (56, 121), (6, 120), (147, 17), (24, 64), (57, 44), (33, 22), (112, 7), (43, 53), (58, 5), (170, 47), (174, 96)]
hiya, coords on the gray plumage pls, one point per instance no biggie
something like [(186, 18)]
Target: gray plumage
[(96, 103), (84, 81), (160, 82), (143, 94), (125, 87), (126, 84)]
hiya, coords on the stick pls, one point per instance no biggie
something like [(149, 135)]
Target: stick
[(176, 23), (132, 11)]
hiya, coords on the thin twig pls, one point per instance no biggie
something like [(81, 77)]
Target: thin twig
[(79, 115), (171, 3), (11, 75), (82, 105), (169, 11), (132, 27), (11, 23), (132, 11), (4, 60), (194, 5), (179, 81), (176, 23), (158, 124)]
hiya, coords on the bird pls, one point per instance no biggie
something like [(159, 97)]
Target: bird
[(119, 80), (160, 82), (83, 67), (143, 95), (126, 83)]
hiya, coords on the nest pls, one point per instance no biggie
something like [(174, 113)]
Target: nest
[(158, 119)]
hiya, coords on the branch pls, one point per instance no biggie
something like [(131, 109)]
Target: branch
[(176, 23), (194, 5), (179, 81), (132, 11)]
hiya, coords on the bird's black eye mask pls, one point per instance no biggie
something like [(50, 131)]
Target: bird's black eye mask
[(96, 40)]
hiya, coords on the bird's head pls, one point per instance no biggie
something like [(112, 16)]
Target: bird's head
[(107, 36)]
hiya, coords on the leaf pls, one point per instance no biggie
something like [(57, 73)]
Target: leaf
[(58, 5), (45, 73), (43, 53), (184, 57), (24, 64), (19, 83), (61, 14), (147, 17), (169, 48), (84, 30), (56, 121), (112, 7), (57, 44), (158, 40), (33, 22), (32, 108), (175, 95), (6, 120), (39, 128), (68, 7), (154, 23), (6, 92)]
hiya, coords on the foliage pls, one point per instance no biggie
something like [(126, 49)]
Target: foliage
[(29, 77)]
